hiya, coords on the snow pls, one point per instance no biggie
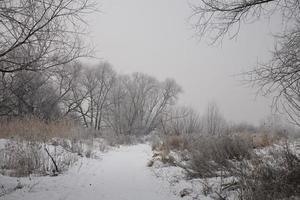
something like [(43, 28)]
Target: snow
[(207, 188), (117, 174), (176, 177), (2, 143), (189, 188), (120, 174)]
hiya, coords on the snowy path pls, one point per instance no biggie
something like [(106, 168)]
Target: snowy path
[(122, 174)]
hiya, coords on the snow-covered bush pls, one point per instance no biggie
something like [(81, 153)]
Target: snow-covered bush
[(82, 147), (210, 155), (229, 167), (274, 174), (22, 158)]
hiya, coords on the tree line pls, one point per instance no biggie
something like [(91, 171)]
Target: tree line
[(41, 42), (95, 96)]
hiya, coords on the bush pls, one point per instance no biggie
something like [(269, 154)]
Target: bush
[(176, 142), (263, 140), (269, 177), (270, 173), (210, 155), (22, 158)]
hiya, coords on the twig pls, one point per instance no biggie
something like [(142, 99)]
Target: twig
[(55, 165)]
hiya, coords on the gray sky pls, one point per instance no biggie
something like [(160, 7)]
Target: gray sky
[(154, 37)]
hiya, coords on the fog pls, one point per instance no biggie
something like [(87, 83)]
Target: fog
[(156, 37)]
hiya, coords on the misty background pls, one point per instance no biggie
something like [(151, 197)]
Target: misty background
[(157, 38)]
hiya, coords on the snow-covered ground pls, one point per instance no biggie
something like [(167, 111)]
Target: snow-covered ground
[(210, 188), (188, 189), (120, 174)]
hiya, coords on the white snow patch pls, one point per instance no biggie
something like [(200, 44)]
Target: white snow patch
[(122, 174)]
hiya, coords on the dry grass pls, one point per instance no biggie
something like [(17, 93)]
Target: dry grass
[(33, 128), (25, 154), (162, 150), (260, 140), (176, 142), (162, 154), (172, 142)]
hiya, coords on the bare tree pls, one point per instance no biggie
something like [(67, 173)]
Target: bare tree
[(181, 120), (281, 76), (160, 102), (40, 34), (116, 118), (214, 123), (214, 18), (28, 93), (90, 96), (66, 80), (139, 101)]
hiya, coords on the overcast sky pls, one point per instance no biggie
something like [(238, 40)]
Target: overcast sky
[(155, 37)]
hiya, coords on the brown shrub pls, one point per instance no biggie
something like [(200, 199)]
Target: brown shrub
[(260, 140), (265, 139), (176, 142), (162, 150), (162, 154)]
